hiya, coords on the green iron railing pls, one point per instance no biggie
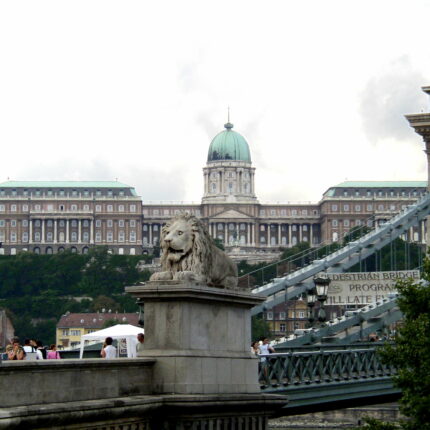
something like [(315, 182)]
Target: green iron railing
[(278, 371)]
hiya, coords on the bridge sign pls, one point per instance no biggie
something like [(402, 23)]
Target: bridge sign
[(364, 288)]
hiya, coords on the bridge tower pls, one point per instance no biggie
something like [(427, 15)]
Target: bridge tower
[(421, 124)]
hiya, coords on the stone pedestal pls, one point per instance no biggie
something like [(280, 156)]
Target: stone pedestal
[(200, 337)]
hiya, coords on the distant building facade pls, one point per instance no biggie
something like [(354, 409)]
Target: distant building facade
[(49, 217), (6, 330), (72, 326)]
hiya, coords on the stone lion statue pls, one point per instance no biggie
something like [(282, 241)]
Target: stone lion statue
[(189, 254)]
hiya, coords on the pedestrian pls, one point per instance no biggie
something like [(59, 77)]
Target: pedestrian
[(53, 354), (139, 345), (41, 349), (109, 351), (255, 348), (30, 350), (14, 350), (265, 350)]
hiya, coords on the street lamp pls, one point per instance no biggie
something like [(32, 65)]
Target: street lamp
[(311, 299), (321, 286)]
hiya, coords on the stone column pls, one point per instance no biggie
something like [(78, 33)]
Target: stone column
[(237, 233), (55, 230), (79, 230), (279, 233), (43, 231), (225, 234), (67, 230), (268, 234), (150, 233), (91, 231), (311, 234), (248, 233), (30, 239), (290, 236), (300, 232), (421, 124)]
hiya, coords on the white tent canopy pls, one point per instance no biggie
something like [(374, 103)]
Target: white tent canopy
[(120, 331)]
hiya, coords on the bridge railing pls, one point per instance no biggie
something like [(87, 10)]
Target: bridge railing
[(278, 371)]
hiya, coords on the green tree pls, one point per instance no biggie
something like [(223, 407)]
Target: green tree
[(259, 328), (410, 354), (218, 243)]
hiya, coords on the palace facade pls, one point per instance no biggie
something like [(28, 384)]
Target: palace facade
[(49, 217)]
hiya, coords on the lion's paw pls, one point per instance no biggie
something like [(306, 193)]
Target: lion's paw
[(188, 276), (161, 276)]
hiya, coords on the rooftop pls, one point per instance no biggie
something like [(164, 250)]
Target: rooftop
[(63, 184), (96, 320), (381, 184)]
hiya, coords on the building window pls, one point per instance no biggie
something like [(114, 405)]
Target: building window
[(283, 212), (269, 316), (49, 236), (86, 236), (294, 212), (98, 236), (49, 223), (262, 212), (304, 211), (304, 227), (13, 223), (74, 236), (121, 223), (75, 332), (109, 236), (121, 208), (132, 208), (145, 227), (357, 208), (369, 208), (156, 212), (1, 208), (334, 208), (155, 227), (74, 223), (37, 236), (220, 226), (132, 236), (65, 331), (86, 208), (37, 223), (85, 223), (345, 208), (282, 327), (301, 314), (133, 223), (357, 222), (98, 208), (109, 208), (110, 223), (272, 212), (282, 315), (24, 208), (98, 223), (25, 236), (231, 226), (121, 236), (13, 208), (74, 207), (13, 237)]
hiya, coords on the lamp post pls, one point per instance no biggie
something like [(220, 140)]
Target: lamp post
[(311, 299), (321, 286)]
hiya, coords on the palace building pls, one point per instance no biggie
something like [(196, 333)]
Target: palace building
[(52, 216)]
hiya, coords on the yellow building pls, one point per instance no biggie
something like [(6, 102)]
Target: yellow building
[(72, 326)]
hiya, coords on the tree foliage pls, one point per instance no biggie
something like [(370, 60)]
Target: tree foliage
[(410, 354), (37, 289)]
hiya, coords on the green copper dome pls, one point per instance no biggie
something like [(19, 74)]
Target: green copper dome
[(229, 145)]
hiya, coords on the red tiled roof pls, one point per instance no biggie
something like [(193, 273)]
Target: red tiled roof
[(96, 320)]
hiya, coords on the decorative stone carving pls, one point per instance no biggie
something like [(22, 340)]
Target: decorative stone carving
[(190, 255)]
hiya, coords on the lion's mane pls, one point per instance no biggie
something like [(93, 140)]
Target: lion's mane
[(198, 259)]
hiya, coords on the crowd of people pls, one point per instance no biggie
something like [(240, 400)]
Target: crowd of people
[(31, 350)]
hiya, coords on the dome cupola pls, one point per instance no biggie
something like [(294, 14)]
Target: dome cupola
[(229, 145)]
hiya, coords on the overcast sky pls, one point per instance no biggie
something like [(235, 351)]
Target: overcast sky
[(136, 90)]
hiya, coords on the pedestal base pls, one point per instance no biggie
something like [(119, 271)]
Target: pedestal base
[(200, 337)]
